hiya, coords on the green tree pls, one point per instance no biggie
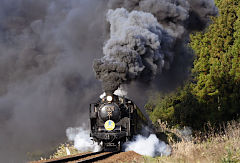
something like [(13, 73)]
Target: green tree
[(216, 68), (213, 95)]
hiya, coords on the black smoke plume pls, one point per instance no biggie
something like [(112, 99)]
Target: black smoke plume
[(145, 37), (46, 54), (46, 77)]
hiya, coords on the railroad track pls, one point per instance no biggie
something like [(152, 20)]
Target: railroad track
[(84, 158)]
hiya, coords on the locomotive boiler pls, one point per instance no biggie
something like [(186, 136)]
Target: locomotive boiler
[(115, 120)]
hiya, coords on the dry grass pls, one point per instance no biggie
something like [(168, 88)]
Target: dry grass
[(223, 147), (62, 151), (212, 148)]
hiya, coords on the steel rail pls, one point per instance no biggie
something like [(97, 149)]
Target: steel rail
[(98, 158), (73, 158), (82, 158)]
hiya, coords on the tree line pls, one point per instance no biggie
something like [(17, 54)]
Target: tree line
[(213, 92)]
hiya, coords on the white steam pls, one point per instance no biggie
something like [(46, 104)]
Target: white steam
[(149, 146), (119, 92), (102, 95), (186, 133), (82, 140)]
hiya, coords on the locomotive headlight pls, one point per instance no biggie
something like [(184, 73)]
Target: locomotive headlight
[(109, 98)]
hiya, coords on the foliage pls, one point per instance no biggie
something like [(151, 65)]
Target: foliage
[(213, 94), (222, 147)]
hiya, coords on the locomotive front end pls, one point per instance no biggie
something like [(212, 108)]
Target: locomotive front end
[(114, 120), (107, 123)]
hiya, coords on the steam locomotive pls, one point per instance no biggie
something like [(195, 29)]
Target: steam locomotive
[(115, 120)]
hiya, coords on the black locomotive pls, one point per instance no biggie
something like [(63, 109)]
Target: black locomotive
[(115, 120)]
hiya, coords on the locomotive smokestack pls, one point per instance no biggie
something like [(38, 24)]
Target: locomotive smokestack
[(109, 93)]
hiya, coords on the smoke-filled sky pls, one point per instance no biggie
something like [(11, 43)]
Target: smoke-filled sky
[(46, 77), (145, 37), (47, 49)]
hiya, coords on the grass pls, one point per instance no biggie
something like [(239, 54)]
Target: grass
[(221, 147), (62, 151)]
